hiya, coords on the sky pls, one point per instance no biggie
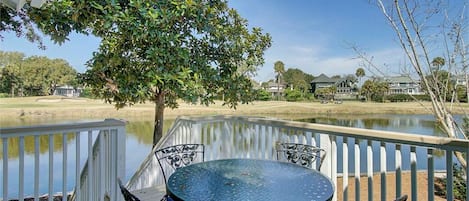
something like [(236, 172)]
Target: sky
[(312, 35)]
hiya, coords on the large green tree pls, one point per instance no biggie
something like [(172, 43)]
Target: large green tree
[(35, 75), (163, 51), (298, 79), (160, 51)]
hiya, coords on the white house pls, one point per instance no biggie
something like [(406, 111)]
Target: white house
[(68, 91)]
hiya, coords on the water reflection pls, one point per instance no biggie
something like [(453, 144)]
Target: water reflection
[(13, 144), (412, 124)]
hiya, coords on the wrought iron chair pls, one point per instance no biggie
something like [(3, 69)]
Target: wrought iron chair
[(178, 156), (301, 154), (402, 198), (128, 196)]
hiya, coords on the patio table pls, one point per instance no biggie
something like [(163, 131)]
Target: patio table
[(248, 179)]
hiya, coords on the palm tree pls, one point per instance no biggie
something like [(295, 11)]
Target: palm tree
[(279, 69), (438, 62), (360, 73)]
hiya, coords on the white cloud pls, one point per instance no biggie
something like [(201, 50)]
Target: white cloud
[(313, 60)]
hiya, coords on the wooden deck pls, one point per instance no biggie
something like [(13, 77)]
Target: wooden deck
[(150, 194)]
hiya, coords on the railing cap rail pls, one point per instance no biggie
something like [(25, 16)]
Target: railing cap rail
[(378, 135), (73, 126)]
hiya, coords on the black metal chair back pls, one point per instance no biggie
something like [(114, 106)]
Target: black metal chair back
[(128, 196), (301, 154), (178, 156)]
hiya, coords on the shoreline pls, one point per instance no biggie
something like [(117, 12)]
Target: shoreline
[(76, 108)]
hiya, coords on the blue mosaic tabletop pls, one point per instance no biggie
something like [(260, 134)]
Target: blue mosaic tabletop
[(248, 179)]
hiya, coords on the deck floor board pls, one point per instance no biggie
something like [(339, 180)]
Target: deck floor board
[(151, 193)]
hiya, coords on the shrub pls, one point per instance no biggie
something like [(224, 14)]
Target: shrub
[(263, 95), (459, 184), (293, 95)]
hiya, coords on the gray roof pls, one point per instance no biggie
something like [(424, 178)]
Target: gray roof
[(323, 79)]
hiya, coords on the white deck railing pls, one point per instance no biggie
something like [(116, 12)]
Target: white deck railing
[(104, 140), (245, 137)]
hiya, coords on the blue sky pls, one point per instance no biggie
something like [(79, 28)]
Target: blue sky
[(312, 35)]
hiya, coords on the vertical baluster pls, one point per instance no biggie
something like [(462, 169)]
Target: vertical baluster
[(36, 167), (21, 168), (232, 137), (449, 174), (345, 168), (263, 141), (357, 169), (77, 166), (334, 164), (5, 168), (214, 142), (248, 139), (221, 139), (206, 139), (413, 172), (100, 164), (64, 167), (383, 160), (256, 141), (51, 166), (90, 165), (369, 156), (398, 170), (430, 174), (309, 135), (276, 139), (270, 143)]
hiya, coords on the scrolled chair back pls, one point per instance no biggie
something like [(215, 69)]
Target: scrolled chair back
[(180, 155), (301, 154)]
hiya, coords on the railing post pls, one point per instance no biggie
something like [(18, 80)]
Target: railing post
[(369, 169), (64, 167), (357, 169), (449, 174), (21, 168), (333, 155), (5, 168), (325, 142), (413, 172), (398, 170), (430, 174), (77, 166), (120, 166), (51, 166), (36, 167), (383, 164), (345, 168)]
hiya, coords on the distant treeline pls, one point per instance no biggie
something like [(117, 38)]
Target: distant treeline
[(34, 75)]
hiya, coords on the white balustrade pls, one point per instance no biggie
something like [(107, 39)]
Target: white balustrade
[(249, 137), (98, 178)]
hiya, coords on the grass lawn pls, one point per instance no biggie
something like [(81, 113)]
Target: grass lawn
[(56, 106), (77, 108)]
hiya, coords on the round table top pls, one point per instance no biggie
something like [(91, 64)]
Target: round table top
[(248, 179)]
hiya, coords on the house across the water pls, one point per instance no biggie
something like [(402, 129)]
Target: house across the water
[(68, 91)]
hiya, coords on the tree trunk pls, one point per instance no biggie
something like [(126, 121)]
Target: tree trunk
[(158, 124)]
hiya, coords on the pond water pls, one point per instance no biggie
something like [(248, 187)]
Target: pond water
[(139, 143)]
